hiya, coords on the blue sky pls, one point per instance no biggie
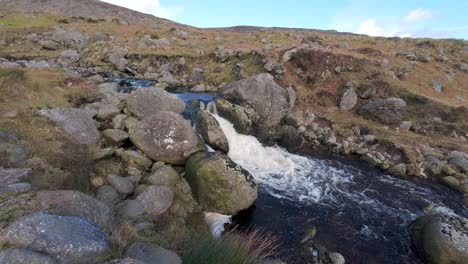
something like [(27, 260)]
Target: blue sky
[(404, 18)]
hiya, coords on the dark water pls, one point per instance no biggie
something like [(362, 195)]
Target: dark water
[(366, 218), (358, 211)]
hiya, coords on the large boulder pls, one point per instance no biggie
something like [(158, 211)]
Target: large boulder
[(25, 256), (72, 203), (220, 185), (210, 130), (69, 239), (441, 239), (265, 96), (243, 118), (348, 97), (72, 38), (145, 102), (388, 111), (68, 57), (166, 136), (118, 60), (76, 122), (151, 254)]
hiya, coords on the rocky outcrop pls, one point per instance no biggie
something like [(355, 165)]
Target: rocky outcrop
[(25, 256), (69, 239), (441, 239), (219, 184), (210, 131), (459, 160), (145, 102), (76, 122), (265, 96), (166, 136), (388, 111), (72, 38)]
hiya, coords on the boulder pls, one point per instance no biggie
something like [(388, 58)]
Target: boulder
[(96, 37), (146, 102), (11, 176), (68, 57), (72, 203), (49, 45), (164, 176), (348, 97), (388, 111), (261, 93), (115, 136), (151, 254), (155, 200), (220, 185), (118, 60), (166, 136), (108, 195), (25, 256), (459, 160), (209, 129), (107, 111), (441, 239), (135, 158), (436, 86), (76, 122), (67, 238), (243, 118), (290, 138), (72, 38)]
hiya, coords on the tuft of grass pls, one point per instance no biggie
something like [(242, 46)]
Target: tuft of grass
[(233, 247)]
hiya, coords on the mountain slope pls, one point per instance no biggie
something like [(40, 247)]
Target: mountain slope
[(86, 8)]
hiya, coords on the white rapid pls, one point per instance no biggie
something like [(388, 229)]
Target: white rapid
[(283, 174)]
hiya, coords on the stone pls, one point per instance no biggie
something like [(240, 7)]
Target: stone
[(451, 182), (388, 111), (68, 57), (125, 261), (166, 136), (399, 170), (123, 185), (290, 138), (16, 187), (96, 78), (76, 122), (72, 38), (209, 129), (336, 258), (96, 37), (405, 126), (348, 97), (108, 195), (155, 200), (115, 136), (25, 256), (146, 102), (151, 254), (69, 239), (462, 67), (261, 93), (118, 121), (131, 123), (163, 176), (118, 60), (73, 203), (242, 117), (441, 239), (49, 45), (433, 165), (131, 209), (220, 185), (366, 91), (436, 86), (10, 176), (459, 160), (135, 158), (107, 112), (288, 55), (199, 88)]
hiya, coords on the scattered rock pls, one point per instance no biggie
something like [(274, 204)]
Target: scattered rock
[(219, 184), (155, 200), (166, 136), (459, 160), (76, 122), (118, 60), (72, 38), (69, 239), (163, 176), (68, 57), (116, 136), (108, 195), (348, 97), (451, 182), (136, 159), (436, 86), (107, 112), (242, 117), (49, 45)]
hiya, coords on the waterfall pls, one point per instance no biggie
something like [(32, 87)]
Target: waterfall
[(216, 222)]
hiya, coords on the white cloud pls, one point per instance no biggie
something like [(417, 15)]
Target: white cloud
[(418, 15), (149, 6), (370, 27)]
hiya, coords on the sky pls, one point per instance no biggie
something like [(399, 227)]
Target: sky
[(402, 18)]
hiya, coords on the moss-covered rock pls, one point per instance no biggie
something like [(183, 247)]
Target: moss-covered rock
[(219, 184), (210, 131)]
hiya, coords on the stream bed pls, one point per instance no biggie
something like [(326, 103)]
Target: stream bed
[(358, 211)]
